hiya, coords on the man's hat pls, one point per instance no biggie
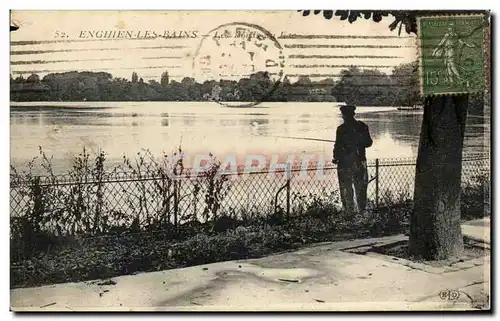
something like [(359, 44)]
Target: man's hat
[(347, 109)]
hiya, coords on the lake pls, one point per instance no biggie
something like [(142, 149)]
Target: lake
[(62, 129)]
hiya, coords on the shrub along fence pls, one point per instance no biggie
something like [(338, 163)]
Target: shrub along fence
[(198, 218), (96, 204)]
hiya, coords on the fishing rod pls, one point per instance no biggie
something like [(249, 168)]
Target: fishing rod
[(304, 138), (321, 140)]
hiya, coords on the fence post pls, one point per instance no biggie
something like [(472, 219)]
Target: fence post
[(288, 179), (176, 201), (376, 182)]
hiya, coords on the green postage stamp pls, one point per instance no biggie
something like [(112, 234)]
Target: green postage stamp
[(452, 54)]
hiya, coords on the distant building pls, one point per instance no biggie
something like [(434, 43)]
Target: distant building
[(321, 94), (319, 91), (135, 77), (164, 79)]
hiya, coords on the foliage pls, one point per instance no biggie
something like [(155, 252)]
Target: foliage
[(80, 204), (74, 233), (114, 255), (406, 18), (476, 198), (372, 87), (318, 219), (365, 87)]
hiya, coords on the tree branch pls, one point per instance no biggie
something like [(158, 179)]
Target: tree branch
[(408, 18)]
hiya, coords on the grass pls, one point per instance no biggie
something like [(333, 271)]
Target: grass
[(61, 238), (103, 257)]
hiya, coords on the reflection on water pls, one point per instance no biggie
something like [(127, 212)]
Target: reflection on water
[(188, 119), (305, 119), (165, 120), (127, 128)]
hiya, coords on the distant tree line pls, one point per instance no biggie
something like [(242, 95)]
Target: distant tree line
[(369, 87)]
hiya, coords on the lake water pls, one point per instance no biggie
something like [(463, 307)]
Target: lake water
[(124, 128)]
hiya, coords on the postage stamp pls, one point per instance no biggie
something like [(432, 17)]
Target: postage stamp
[(248, 161), (452, 54)]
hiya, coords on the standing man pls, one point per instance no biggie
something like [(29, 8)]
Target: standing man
[(353, 137)]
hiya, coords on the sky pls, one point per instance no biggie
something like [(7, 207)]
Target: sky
[(59, 41)]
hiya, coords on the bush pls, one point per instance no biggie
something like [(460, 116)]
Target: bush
[(60, 238), (475, 198)]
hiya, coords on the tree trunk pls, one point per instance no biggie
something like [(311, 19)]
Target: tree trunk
[(435, 231)]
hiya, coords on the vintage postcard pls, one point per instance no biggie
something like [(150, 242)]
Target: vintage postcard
[(310, 160)]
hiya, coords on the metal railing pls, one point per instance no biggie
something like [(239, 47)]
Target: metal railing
[(88, 205)]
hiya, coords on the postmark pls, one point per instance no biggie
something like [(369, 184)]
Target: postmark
[(452, 54), (247, 58)]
